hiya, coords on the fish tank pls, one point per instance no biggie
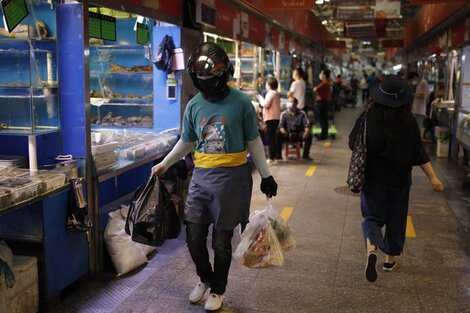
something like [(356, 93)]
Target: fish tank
[(29, 101), (121, 80)]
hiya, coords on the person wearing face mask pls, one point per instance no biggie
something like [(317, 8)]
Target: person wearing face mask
[(219, 123), (297, 88), (271, 113), (295, 127), (322, 99)]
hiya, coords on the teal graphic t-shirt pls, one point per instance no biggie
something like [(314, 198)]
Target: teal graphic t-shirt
[(220, 127)]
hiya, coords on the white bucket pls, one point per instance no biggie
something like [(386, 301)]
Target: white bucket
[(178, 59)]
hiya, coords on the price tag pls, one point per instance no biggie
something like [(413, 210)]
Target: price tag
[(14, 11), (94, 25), (142, 34), (108, 27)]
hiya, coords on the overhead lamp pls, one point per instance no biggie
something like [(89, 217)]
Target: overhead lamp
[(337, 38), (319, 2), (366, 42), (324, 22)]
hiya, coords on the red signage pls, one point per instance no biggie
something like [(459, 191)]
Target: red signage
[(283, 4), (399, 43), (256, 30), (418, 2), (334, 44), (226, 17), (458, 34)]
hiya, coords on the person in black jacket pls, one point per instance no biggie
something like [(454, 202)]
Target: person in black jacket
[(393, 146)]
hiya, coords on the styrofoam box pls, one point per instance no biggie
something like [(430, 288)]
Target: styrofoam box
[(24, 296), (22, 188)]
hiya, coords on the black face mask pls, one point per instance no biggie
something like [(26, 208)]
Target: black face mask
[(213, 89), (209, 84)]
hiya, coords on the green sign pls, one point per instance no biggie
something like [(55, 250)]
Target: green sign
[(142, 34), (108, 27), (227, 45), (94, 25), (14, 11)]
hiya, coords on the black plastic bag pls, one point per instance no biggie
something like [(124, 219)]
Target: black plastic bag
[(163, 58), (152, 217)]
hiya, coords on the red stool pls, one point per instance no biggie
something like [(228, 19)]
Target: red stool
[(293, 148)]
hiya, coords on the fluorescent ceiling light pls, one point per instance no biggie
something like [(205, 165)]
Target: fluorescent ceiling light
[(319, 2), (366, 42), (324, 22)]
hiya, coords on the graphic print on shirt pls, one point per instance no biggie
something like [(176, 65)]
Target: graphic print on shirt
[(212, 135)]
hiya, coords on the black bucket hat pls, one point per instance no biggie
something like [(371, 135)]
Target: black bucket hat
[(392, 92)]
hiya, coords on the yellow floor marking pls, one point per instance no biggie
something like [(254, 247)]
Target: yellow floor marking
[(410, 230), (311, 170), (287, 212), (326, 144)]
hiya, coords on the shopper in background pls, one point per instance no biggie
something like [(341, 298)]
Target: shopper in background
[(393, 147), (420, 100), (337, 89), (363, 86), (323, 91), (354, 84), (220, 123), (297, 88), (271, 113), (372, 82), (295, 127)]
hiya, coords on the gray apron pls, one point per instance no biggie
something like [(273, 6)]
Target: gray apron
[(220, 195)]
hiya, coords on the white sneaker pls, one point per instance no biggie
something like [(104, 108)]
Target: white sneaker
[(198, 292), (214, 302)]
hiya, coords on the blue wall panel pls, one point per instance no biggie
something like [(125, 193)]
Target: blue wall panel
[(166, 113), (72, 81)]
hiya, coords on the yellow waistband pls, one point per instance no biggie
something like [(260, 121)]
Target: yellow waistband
[(205, 160)]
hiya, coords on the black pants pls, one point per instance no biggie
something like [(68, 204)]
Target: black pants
[(321, 115), (365, 95), (385, 206), (196, 238), (271, 129), (307, 144)]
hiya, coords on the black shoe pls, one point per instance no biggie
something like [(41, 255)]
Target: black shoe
[(371, 270), (307, 157), (388, 267)]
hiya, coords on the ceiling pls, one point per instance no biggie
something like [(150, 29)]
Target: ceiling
[(356, 22)]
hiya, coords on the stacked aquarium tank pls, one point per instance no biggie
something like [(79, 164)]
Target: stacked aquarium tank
[(28, 84), (121, 80)]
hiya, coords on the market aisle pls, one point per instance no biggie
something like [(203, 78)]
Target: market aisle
[(325, 272)]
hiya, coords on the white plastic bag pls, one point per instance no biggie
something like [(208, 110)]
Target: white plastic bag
[(126, 255), (259, 246)]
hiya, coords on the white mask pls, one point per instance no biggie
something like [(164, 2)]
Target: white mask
[(289, 105), (320, 76)]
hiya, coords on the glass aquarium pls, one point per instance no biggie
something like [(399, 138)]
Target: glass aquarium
[(285, 74), (29, 102), (121, 80)]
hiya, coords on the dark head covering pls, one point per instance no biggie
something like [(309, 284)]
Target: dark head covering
[(392, 92)]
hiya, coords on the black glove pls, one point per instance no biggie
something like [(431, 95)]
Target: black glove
[(268, 186)]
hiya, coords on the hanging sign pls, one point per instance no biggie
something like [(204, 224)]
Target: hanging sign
[(284, 4), (94, 25), (14, 11), (108, 27), (387, 9), (142, 34)]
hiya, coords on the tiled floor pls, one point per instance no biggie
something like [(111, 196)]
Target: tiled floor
[(325, 272)]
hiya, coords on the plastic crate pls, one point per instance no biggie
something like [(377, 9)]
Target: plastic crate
[(5, 197), (22, 188), (24, 296)]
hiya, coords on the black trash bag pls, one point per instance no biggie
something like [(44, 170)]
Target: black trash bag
[(163, 58), (77, 215), (152, 217)]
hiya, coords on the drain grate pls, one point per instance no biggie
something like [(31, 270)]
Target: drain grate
[(344, 190)]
